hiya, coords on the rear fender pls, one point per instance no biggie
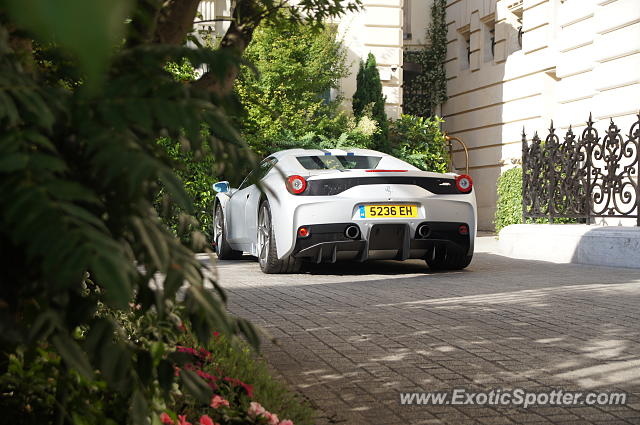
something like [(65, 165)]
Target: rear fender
[(282, 205)]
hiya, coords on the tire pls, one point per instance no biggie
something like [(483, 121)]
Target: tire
[(444, 258), (223, 249), (267, 252)]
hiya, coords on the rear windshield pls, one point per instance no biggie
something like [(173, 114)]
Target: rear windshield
[(338, 162)]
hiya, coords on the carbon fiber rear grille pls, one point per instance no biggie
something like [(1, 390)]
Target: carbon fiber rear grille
[(325, 187)]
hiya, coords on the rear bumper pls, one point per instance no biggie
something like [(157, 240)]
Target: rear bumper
[(398, 241)]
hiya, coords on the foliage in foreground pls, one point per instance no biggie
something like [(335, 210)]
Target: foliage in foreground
[(197, 171), (238, 383), (80, 167)]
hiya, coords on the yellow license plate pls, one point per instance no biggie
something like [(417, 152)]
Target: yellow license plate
[(384, 211)]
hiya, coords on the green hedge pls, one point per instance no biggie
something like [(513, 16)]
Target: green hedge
[(420, 142), (509, 209), (509, 203)]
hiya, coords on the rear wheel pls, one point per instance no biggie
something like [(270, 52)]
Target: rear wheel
[(267, 252), (223, 249), (444, 258)]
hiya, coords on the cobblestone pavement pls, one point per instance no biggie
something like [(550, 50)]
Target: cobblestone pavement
[(351, 337)]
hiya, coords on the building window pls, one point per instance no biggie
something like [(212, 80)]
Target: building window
[(516, 20), (406, 18), (465, 49), (489, 41)]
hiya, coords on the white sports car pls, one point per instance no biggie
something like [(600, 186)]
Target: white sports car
[(357, 204)]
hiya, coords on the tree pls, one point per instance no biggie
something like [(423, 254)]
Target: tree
[(368, 98), (247, 15), (84, 97), (285, 95)]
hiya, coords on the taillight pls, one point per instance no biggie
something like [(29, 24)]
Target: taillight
[(464, 183), (303, 232), (296, 184)]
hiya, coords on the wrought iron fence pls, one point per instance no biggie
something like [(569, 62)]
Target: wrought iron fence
[(582, 177)]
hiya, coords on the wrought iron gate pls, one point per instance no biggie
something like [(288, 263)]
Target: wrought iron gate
[(582, 177)]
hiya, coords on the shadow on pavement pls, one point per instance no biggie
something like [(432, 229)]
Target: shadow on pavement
[(358, 334)]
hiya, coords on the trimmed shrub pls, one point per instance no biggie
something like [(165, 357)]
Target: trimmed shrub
[(509, 205), (369, 95), (420, 142)]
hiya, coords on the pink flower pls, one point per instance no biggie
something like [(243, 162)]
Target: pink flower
[(183, 420), (165, 418), (236, 382), (206, 420), (272, 418), (286, 422), (218, 401), (216, 334), (255, 410)]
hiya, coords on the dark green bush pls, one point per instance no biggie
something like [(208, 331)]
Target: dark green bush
[(509, 205), (35, 378), (368, 99), (80, 169), (420, 142), (198, 173)]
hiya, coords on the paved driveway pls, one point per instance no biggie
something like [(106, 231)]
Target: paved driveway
[(353, 337)]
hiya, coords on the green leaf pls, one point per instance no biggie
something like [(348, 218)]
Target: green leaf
[(110, 272), (100, 333), (72, 354), (157, 351), (249, 331), (44, 324), (13, 162), (153, 240), (8, 109), (115, 364), (196, 386), (139, 408), (176, 189), (89, 29), (166, 375), (80, 419), (144, 366)]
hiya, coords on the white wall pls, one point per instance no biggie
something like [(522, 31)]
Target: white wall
[(376, 29)]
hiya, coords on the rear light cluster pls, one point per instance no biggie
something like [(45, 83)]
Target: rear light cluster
[(464, 183), (296, 184)]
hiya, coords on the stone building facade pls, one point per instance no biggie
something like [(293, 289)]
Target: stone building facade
[(519, 64)]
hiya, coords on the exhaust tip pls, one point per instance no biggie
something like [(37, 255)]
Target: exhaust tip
[(424, 231), (352, 232)]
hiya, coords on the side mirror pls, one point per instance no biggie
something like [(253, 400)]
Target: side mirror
[(221, 187)]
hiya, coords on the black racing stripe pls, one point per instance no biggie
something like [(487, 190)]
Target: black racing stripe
[(325, 187)]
